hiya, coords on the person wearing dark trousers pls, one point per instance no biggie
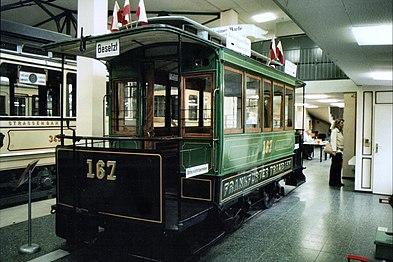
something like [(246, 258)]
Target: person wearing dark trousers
[(307, 149), (337, 143)]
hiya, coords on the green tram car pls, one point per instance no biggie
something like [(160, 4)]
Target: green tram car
[(196, 131)]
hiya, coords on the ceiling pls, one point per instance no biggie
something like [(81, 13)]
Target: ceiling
[(327, 22)]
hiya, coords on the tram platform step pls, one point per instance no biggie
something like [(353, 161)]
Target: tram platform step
[(180, 216)]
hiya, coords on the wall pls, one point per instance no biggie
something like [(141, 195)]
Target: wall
[(321, 127), (349, 133)]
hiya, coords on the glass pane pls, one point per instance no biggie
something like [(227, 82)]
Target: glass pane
[(277, 106), (125, 107), (71, 94), (20, 106), (174, 107), (159, 105), (288, 115), (267, 104), (197, 103), (252, 102), (2, 105), (232, 99)]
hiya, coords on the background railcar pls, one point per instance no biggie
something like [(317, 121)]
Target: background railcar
[(30, 110), (197, 131)]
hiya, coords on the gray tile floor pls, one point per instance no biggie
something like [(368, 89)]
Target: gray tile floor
[(315, 222)]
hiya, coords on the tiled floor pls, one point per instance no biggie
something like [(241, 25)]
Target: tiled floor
[(17, 214), (314, 222)]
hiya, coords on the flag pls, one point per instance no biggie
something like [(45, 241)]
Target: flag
[(126, 13), (141, 13), (116, 18), (280, 52), (273, 53)]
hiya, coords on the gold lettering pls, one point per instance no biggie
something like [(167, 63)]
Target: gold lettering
[(100, 169), (89, 163), (111, 175)]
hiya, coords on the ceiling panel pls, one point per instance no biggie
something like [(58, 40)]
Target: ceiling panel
[(327, 22)]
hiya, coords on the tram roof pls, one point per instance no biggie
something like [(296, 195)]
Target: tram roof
[(161, 30)]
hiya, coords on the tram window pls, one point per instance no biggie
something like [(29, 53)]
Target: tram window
[(162, 104), (267, 105), (5, 96), (125, 107), (193, 107), (20, 106), (197, 104), (233, 99), (278, 103), (253, 103), (288, 113), (2, 106), (71, 94), (159, 105), (35, 105), (174, 106), (30, 91)]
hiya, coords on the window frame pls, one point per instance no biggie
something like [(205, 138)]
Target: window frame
[(281, 128), (270, 128), (260, 104), (241, 129), (133, 130), (292, 105), (184, 128)]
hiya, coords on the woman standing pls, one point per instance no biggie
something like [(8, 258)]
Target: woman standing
[(337, 142)]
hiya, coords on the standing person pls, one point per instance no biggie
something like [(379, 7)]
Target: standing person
[(337, 142), (307, 149)]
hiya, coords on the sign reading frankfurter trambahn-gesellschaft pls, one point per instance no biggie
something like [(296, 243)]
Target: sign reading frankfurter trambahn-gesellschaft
[(249, 180)]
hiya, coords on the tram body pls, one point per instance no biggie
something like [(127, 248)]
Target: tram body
[(195, 130), (30, 109)]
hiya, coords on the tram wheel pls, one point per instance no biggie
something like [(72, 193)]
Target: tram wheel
[(235, 220), (267, 199), (238, 220)]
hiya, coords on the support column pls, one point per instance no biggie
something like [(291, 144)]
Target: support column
[(91, 77), (229, 17)]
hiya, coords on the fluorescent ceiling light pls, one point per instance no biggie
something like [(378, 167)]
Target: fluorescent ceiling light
[(382, 75), (265, 17), (316, 96), (328, 100), (311, 106), (373, 35), (337, 105)]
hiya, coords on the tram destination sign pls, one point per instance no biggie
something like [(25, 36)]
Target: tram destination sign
[(249, 180), (108, 48)]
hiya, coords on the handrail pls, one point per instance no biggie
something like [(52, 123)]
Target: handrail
[(117, 138)]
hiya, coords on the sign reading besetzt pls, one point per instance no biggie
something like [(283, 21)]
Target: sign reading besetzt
[(107, 48)]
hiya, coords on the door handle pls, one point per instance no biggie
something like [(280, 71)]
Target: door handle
[(376, 147)]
